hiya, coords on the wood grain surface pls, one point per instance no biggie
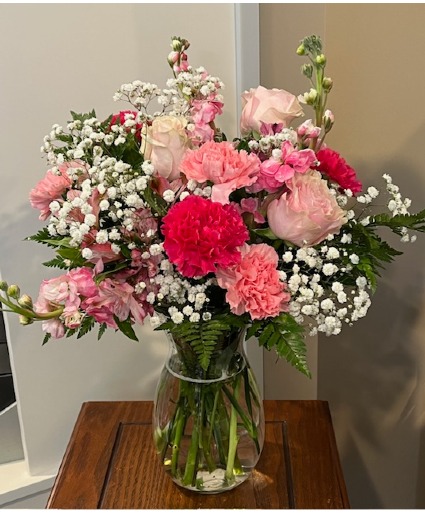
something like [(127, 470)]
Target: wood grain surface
[(110, 463)]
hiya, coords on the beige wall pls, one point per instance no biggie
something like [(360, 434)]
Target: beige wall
[(373, 375)]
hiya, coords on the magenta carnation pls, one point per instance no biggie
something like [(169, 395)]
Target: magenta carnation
[(337, 169), (201, 235)]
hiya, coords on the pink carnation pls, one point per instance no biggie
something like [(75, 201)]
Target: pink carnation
[(253, 286), (201, 235), (337, 169), (51, 188), (224, 166)]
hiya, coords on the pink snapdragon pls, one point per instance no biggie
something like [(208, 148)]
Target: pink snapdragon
[(224, 166), (67, 291), (281, 167), (253, 285), (203, 114)]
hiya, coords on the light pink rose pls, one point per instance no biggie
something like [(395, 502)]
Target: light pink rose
[(307, 213), (268, 106), (253, 286), (165, 143), (223, 165)]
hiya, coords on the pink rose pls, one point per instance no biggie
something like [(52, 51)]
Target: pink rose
[(268, 106), (253, 285), (164, 143), (307, 213), (51, 188), (224, 166)]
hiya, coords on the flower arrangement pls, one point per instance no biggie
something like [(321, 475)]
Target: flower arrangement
[(155, 214)]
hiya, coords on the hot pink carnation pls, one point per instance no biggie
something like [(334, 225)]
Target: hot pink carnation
[(253, 286), (337, 169), (201, 235), (307, 213), (224, 166)]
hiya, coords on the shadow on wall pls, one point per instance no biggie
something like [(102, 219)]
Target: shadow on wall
[(371, 376)]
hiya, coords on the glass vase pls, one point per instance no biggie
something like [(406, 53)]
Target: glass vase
[(208, 424)]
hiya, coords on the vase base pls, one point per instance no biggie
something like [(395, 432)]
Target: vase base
[(214, 482)]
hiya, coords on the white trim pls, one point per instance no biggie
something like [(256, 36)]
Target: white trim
[(16, 483), (247, 35)]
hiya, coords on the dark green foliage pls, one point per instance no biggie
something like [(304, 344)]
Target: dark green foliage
[(284, 335), (126, 328), (204, 337)]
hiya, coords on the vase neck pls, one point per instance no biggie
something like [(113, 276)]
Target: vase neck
[(188, 361)]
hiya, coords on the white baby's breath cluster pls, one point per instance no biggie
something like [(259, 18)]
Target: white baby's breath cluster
[(175, 100), (184, 300), (318, 298), (118, 186), (272, 143)]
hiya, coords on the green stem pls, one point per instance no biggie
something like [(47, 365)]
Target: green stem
[(204, 443), (179, 429), (190, 469), (29, 313), (233, 437)]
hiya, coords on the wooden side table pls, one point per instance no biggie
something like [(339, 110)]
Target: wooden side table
[(110, 462)]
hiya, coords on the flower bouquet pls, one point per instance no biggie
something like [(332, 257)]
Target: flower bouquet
[(155, 214)]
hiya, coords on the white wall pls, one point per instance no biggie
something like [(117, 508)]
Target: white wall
[(73, 56)]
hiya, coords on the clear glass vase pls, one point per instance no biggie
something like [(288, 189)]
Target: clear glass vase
[(208, 424)]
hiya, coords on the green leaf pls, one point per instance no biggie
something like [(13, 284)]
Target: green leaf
[(46, 338), (102, 330), (126, 328), (286, 336), (266, 233), (44, 237), (86, 326)]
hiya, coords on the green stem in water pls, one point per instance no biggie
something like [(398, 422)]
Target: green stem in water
[(233, 437), (204, 443), (179, 429), (190, 469)]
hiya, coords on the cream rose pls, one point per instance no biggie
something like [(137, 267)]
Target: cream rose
[(307, 213), (268, 106), (165, 143)]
